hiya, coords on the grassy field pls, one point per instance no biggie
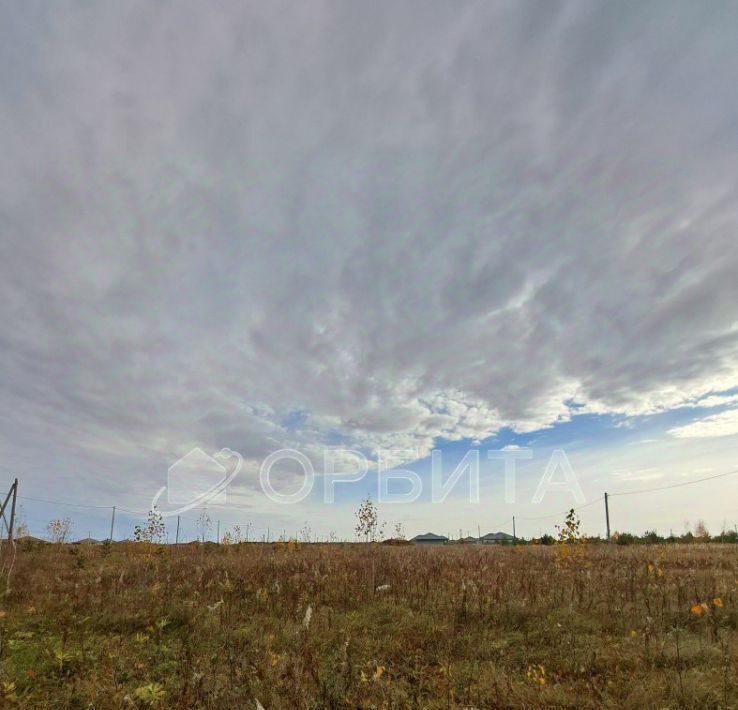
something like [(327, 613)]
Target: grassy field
[(369, 626)]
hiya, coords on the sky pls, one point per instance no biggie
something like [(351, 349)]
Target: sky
[(369, 226)]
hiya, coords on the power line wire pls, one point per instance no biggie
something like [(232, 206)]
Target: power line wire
[(71, 505), (630, 493), (519, 517), (133, 512), (563, 512), (676, 485)]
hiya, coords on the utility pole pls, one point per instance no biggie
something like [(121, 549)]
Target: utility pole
[(12, 509), (607, 517), (217, 539), (112, 524), (3, 507), (176, 539), (514, 535)]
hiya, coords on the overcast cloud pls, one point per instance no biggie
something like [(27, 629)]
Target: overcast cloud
[(369, 224)]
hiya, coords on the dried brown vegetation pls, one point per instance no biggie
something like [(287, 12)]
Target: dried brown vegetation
[(387, 627)]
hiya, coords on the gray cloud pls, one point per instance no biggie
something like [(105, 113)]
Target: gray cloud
[(408, 221)]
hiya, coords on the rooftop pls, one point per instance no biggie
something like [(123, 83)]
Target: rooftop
[(429, 536)]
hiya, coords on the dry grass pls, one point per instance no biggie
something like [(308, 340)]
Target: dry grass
[(484, 627)]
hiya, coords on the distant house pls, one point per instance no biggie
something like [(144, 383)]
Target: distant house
[(469, 540), (497, 538), (30, 540), (87, 541), (430, 539)]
